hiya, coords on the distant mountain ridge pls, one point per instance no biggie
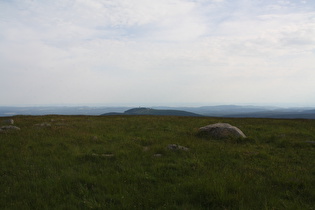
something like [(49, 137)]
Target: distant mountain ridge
[(150, 111), (222, 110), (280, 114), (233, 111)]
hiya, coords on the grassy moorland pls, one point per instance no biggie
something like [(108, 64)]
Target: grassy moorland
[(111, 162)]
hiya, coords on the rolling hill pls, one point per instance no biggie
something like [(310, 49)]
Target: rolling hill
[(149, 111)]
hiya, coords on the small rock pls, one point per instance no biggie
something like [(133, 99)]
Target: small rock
[(172, 146), (311, 142), (8, 121), (146, 148), (103, 155), (177, 147), (94, 138), (183, 148), (9, 128), (43, 124), (157, 155)]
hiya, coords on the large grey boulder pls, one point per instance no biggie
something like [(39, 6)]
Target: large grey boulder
[(221, 131)]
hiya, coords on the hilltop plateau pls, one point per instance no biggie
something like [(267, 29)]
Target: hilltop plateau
[(150, 111), (155, 162)]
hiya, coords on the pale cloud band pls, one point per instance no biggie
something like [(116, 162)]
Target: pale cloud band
[(158, 52)]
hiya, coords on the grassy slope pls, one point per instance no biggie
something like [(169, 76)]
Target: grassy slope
[(69, 166)]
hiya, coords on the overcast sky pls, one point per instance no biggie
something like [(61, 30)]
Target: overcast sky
[(157, 52)]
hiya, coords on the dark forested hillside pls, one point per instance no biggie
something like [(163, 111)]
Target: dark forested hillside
[(149, 111)]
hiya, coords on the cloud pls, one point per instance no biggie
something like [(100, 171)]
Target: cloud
[(81, 18), (88, 51)]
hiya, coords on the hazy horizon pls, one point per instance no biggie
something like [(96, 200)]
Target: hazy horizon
[(196, 105), (157, 53)]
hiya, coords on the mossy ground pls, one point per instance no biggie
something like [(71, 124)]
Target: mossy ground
[(109, 162)]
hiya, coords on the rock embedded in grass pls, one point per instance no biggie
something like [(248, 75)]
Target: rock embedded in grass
[(157, 155), (221, 131), (9, 128), (44, 124), (94, 138), (177, 147), (146, 148), (8, 121), (103, 155)]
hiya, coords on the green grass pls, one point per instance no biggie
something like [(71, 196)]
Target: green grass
[(108, 162)]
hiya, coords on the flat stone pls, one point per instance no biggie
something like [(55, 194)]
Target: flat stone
[(177, 147), (103, 155), (8, 121), (45, 124), (9, 128), (157, 155)]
